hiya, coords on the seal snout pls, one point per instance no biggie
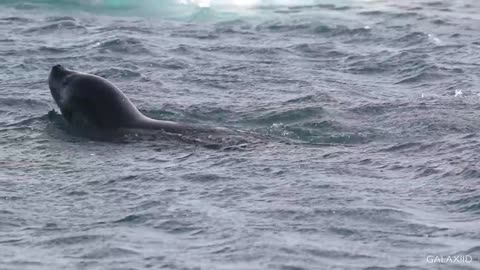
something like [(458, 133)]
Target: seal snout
[(58, 73), (57, 68)]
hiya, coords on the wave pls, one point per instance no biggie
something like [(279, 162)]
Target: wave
[(200, 3), (189, 9)]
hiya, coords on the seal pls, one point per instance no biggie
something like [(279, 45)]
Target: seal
[(96, 102)]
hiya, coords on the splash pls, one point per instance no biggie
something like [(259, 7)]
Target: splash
[(246, 3), (200, 3), (190, 10)]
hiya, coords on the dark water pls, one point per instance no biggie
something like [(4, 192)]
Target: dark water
[(368, 110)]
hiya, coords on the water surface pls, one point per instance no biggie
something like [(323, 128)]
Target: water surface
[(368, 113)]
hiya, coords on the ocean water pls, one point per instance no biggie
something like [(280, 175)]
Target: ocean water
[(365, 114)]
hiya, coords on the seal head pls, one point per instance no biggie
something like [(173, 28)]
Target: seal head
[(90, 100), (58, 78)]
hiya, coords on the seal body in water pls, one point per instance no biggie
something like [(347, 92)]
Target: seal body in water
[(98, 103)]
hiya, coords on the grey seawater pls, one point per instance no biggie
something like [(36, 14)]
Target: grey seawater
[(368, 110)]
